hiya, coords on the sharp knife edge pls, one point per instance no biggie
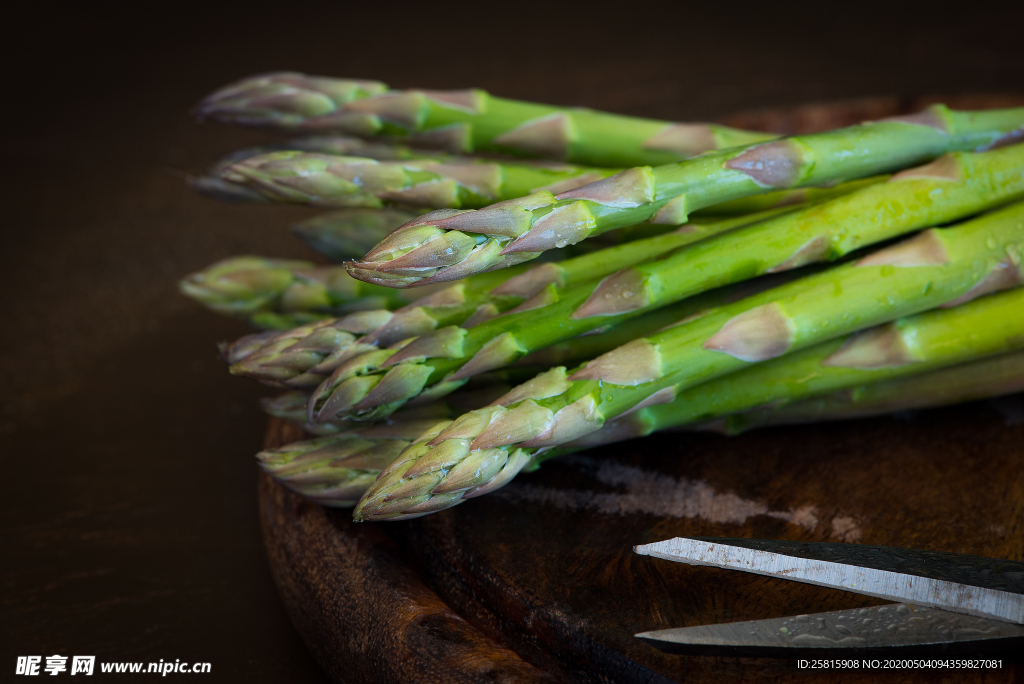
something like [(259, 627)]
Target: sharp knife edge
[(952, 596)]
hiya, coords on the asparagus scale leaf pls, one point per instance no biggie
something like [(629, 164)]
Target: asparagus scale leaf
[(325, 180)]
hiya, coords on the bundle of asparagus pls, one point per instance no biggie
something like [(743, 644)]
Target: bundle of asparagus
[(714, 307), (969, 368)]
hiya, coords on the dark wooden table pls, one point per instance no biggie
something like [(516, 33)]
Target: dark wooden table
[(129, 523), (542, 572)]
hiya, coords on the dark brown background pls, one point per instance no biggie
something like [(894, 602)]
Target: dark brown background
[(128, 527)]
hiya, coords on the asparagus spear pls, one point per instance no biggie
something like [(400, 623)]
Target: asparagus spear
[(336, 470), (284, 99), (952, 187), (483, 450), (247, 285), (325, 180), (214, 185), (463, 121), (522, 228), (989, 377)]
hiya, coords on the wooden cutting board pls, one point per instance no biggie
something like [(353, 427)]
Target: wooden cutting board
[(538, 582)]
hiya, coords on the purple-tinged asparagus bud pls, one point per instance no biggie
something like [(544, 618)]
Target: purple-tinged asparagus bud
[(565, 225), (241, 285), (333, 471), (398, 385), (287, 359), (284, 100), (233, 352), (441, 250), (355, 367)]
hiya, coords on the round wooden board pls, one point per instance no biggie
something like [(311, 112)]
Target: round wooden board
[(538, 582)]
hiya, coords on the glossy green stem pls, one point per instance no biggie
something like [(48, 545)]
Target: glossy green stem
[(463, 121), (990, 377), (955, 354)]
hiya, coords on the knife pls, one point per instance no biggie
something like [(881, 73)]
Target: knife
[(950, 604)]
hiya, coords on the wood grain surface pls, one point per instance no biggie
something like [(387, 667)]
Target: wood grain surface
[(538, 581)]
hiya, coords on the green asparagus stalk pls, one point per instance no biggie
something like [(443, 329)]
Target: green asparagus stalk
[(346, 234), (324, 180), (463, 121), (335, 470), (284, 99), (953, 187), (484, 449), (213, 185), (248, 285), (984, 379), (511, 231)]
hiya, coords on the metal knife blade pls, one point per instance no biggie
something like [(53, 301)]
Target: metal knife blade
[(894, 630), (983, 587)]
